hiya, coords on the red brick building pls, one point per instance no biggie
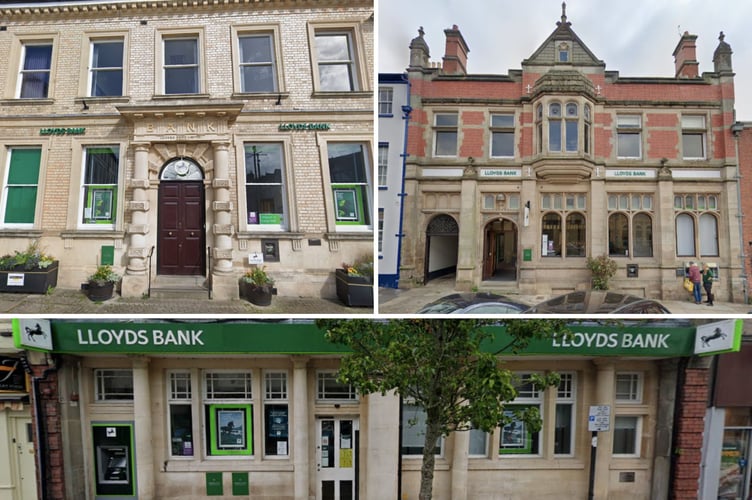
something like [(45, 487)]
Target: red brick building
[(514, 180)]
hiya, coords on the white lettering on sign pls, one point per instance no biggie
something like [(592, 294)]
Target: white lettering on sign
[(614, 340), (140, 337)]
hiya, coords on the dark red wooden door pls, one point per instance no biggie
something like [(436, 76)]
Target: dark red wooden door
[(181, 228)]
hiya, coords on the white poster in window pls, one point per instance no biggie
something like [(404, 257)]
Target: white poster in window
[(281, 447), (544, 245)]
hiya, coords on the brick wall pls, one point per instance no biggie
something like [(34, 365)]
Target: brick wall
[(691, 404), (51, 434), (745, 169)]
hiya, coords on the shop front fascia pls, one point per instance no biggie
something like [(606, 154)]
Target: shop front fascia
[(200, 134), (168, 367)]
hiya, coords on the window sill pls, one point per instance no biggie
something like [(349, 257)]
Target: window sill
[(280, 235), (21, 101), (101, 99), (178, 97), (93, 234), (16, 232), (341, 94), (277, 96)]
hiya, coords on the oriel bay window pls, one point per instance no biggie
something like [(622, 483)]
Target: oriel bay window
[(563, 227), (99, 187), (228, 413), (563, 130), (630, 225), (696, 225), (21, 186), (266, 202), (349, 175)]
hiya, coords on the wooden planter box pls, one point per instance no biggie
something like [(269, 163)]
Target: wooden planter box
[(37, 280), (354, 291)]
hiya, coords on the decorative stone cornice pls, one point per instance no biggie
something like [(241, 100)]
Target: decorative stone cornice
[(120, 7)]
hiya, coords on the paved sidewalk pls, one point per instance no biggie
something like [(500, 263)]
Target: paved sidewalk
[(408, 301), (74, 302)]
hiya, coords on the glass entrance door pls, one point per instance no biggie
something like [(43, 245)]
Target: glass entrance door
[(734, 480), (336, 458)]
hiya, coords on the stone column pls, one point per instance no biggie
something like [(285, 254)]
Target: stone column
[(301, 450), (604, 395), (144, 452), (459, 464), (529, 236), (224, 284), (135, 280), (382, 439), (470, 236)]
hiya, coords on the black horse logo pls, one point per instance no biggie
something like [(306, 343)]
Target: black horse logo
[(31, 334), (717, 334)]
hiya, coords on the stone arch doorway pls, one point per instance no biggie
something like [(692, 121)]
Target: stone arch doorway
[(181, 237), (500, 250), (442, 241)]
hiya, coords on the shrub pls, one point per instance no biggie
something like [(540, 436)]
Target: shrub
[(603, 269)]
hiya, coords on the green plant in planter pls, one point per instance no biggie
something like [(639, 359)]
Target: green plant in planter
[(603, 269), (103, 276), (31, 258), (362, 267), (258, 277)]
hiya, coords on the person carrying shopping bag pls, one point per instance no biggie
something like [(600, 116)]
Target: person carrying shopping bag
[(696, 278), (707, 283)]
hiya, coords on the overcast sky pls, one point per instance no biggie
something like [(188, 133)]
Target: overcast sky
[(636, 38)]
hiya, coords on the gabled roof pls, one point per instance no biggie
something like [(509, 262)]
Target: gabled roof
[(547, 55)]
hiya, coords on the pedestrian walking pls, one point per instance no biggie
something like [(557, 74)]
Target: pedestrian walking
[(707, 283), (696, 278)]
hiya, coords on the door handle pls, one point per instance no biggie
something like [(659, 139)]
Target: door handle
[(193, 234), (169, 233)]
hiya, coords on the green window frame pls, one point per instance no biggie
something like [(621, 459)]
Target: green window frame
[(220, 438), (350, 183), (99, 186), (21, 186)]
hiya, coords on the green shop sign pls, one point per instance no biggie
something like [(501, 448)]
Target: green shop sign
[(304, 126), (306, 338), (62, 131)]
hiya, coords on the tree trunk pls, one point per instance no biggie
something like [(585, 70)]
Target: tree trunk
[(429, 458)]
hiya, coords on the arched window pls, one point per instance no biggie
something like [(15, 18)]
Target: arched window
[(575, 235), (551, 235), (642, 235), (618, 234), (685, 235), (708, 235)]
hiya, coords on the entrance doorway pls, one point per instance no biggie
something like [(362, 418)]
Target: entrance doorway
[(442, 243), (500, 251), (337, 458), (21, 436), (181, 237)]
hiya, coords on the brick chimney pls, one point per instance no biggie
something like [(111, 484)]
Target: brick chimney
[(685, 57), (455, 54)]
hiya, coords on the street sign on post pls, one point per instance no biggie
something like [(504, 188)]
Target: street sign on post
[(599, 418)]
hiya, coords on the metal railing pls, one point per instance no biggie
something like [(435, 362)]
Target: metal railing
[(151, 252)]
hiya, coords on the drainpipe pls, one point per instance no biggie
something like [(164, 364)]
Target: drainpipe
[(399, 452), (406, 110), (736, 129)]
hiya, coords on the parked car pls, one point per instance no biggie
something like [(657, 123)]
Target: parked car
[(598, 302), (474, 303)]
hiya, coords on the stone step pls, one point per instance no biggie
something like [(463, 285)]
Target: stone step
[(179, 287)]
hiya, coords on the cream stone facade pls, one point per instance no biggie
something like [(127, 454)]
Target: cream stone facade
[(189, 139)]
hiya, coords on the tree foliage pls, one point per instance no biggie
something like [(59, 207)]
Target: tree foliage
[(442, 366)]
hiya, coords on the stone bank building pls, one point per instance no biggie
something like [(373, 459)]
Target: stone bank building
[(188, 139), (513, 180)]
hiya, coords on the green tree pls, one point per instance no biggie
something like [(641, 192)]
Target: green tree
[(442, 366)]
